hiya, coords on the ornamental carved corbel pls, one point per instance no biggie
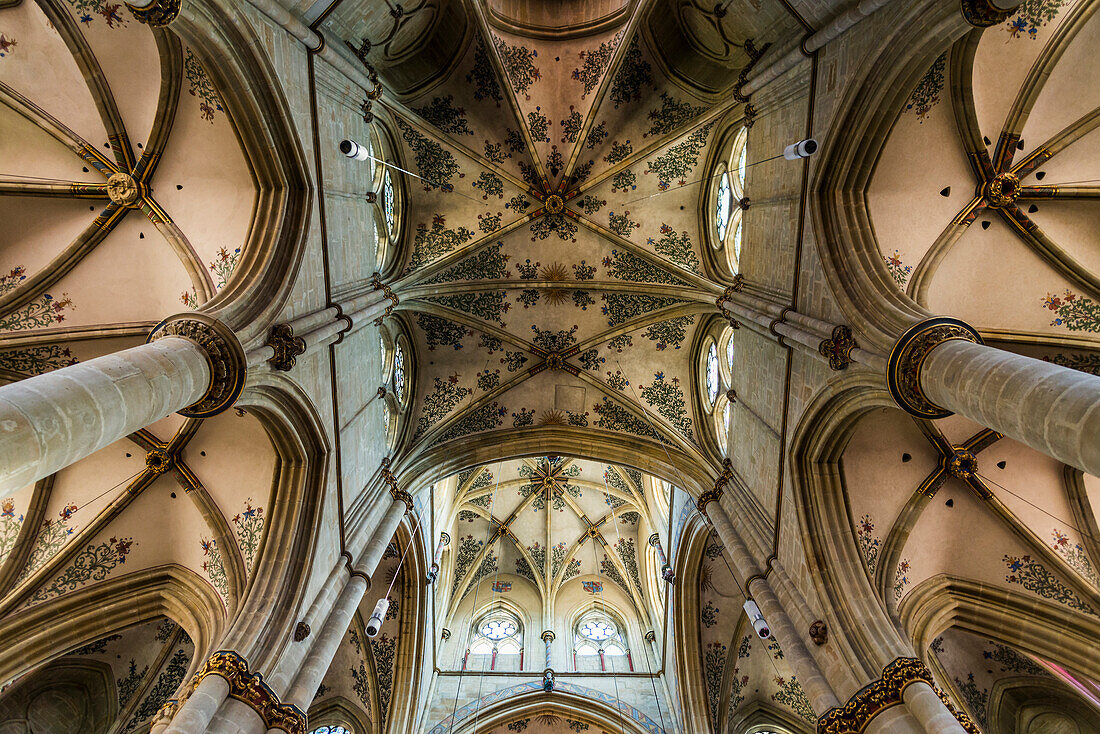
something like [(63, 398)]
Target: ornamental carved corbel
[(157, 13), (396, 492), (838, 349), (714, 494), (903, 370), (223, 352), (251, 689), (984, 13), (886, 692), (376, 281), (285, 345)]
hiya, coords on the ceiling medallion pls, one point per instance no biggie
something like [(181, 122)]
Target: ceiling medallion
[(554, 204), (123, 189), (1003, 190)]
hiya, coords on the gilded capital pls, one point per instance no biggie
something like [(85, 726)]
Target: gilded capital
[(157, 13), (285, 345), (223, 352), (903, 370), (838, 349), (251, 689), (984, 13)]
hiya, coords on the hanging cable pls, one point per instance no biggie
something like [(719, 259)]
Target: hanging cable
[(473, 608), (602, 601), (618, 540), (128, 479), (492, 603)]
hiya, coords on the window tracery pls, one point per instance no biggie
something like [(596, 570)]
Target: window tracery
[(496, 634), (729, 191), (597, 634), (334, 729), (399, 373), (712, 378)]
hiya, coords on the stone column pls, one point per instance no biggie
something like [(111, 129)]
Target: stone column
[(433, 572), (196, 713), (376, 547), (805, 668), (191, 364), (940, 366), (317, 662), (929, 710), (666, 570), (548, 637)]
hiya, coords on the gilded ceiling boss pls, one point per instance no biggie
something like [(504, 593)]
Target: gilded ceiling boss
[(493, 366)]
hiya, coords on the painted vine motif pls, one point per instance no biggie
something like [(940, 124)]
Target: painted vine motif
[(668, 398), (40, 313), (868, 542), (714, 663), (901, 577), (485, 418), (483, 77), (110, 12), (677, 161), (976, 698), (615, 417), (625, 548), (676, 246), (200, 86), (439, 331), (926, 94), (791, 694), (37, 359), (634, 74), (621, 307), (625, 265), (361, 684), (608, 568), (596, 135), (9, 526), (593, 64), (487, 263), (1012, 661), (709, 614), (490, 185), (1084, 362), (6, 45), (221, 267), (249, 524), (384, 649), (670, 116), (571, 126), (434, 164), (621, 224), (51, 537), (442, 113), (899, 271), (488, 305), (93, 563), (214, 566), (1076, 313), (432, 244), (128, 685), (538, 125), (167, 683), (1031, 16), (519, 65), (558, 224), (670, 332), (1036, 578), (445, 395)]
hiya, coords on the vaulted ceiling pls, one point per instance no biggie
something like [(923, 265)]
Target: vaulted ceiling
[(556, 268)]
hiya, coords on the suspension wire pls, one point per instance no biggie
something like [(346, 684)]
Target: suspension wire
[(78, 509), (492, 602), (701, 180), (645, 643), (603, 601), (445, 187), (675, 468), (473, 608), (1081, 532)]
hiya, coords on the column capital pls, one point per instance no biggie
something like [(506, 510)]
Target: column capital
[(903, 370), (444, 539), (985, 13), (224, 353), (882, 694), (376, 281), (396, 492), (655, 540), (249, 688), (547, 636), (714, 494), (157, 13)]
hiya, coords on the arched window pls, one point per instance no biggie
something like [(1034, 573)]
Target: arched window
[(388, 203), (729, 353), (496, 642), (596, 640), (335, 729), (712, 374), (728, 193), (399, 373)]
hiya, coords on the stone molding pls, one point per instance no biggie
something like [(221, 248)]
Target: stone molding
[(285, 345), (251, 689), (903, 370), (224, 354), (886, 692)]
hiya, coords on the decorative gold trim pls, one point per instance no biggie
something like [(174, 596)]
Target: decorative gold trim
[(397, 493), (224, 354), (157, 13), (903, 370), (886, 692), (251, 689), (984, 13), (714, 494)]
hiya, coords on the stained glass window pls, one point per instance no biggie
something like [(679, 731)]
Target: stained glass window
[(498, 629), (387, 201), (597, 630), (723, 206), (737, 241), (729, 354), (399, 372), (741, 165), (387, 418), (725, 426), (712, 374), (331, 730)]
